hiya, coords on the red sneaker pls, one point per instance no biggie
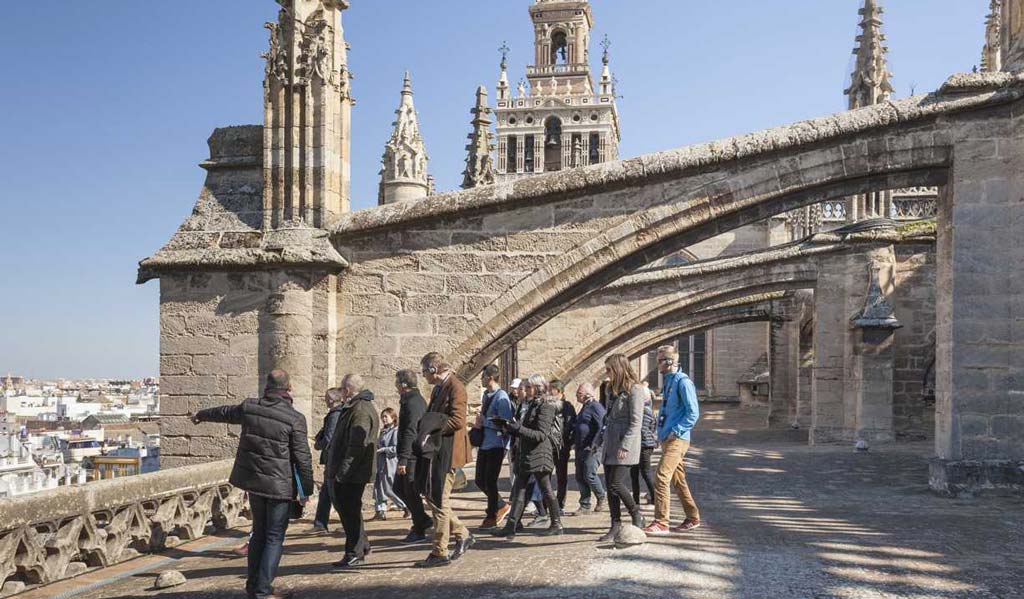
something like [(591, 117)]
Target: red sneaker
[(657, 529), (687, 525)]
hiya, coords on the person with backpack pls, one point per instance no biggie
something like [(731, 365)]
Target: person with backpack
[(535, 457), (274, 466), (492, 442), (565, 422)]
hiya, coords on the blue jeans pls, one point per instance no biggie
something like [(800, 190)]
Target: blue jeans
[(323, 505), (586, 476), (266, 545)]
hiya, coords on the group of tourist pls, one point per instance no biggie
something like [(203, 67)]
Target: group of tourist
[(412, 457)]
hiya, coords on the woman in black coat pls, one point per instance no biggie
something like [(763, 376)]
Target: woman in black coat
[(534, 456)]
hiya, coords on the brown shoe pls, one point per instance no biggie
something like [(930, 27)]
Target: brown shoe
[(499, 517), (687, 525), (488, 523)]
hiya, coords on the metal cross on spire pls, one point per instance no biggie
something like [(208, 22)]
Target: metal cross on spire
[(504, 49), (606, 43)]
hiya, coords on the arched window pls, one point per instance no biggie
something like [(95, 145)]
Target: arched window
[(559, 48), (553, 144)]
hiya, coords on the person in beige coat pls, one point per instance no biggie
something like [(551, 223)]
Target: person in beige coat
[(621, 440)]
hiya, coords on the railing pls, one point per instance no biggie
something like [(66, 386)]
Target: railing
[(558, 69), (915, 203), (70, 530)]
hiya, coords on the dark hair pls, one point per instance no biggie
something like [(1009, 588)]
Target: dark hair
[(558, 386), (492, 371), (277, 380), (406, 378)]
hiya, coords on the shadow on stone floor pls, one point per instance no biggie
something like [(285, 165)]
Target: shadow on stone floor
[(782, 520)]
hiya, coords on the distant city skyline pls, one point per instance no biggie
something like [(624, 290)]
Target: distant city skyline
[(106, 123)]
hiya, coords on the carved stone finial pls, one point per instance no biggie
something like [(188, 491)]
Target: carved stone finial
[(871, 82), (403, 172), (992, 53), (479, 163)]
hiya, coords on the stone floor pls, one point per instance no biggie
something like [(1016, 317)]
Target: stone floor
[(782, 520)]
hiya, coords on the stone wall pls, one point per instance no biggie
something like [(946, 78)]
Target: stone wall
[(914, 359)]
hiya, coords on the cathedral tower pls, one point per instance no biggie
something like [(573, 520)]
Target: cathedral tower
[(403, 174), (562, 121)]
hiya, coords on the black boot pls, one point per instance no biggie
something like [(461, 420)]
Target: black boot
[(508, 531), (638, 519)]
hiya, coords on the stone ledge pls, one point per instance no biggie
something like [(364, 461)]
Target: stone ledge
[(71, 501), (295, 247), (970, 478)]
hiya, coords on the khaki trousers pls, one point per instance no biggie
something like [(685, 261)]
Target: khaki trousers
[(446, 523), (672, 473)]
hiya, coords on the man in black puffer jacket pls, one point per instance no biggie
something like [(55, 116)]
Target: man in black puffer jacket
[(351, 465), (273, 459)]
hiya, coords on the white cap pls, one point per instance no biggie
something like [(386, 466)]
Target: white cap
[(515, 383)]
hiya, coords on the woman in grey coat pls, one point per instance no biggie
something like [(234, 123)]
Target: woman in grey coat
[(621, 438), (387, 464)]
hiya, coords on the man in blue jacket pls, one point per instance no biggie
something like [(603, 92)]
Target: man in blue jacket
[(676, 418)]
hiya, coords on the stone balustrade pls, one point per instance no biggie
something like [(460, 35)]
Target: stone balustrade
[(70, 530)]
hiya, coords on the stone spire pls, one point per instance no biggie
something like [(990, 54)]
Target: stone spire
[(479, 163), (871, 82), (403, 175), (992, 54), (607, 82), (307, 116)]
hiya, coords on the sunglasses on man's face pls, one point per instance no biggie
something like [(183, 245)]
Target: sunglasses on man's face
[(666, 361)]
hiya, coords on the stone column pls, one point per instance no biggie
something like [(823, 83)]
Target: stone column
[(784, 369), (873, 364), (979, 412), (286, 335), (1012, 30), (805, 376), (838, 383)]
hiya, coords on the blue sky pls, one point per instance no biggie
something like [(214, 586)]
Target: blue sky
[(105, 108)]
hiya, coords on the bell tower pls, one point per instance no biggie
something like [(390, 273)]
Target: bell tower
[(557, 118)]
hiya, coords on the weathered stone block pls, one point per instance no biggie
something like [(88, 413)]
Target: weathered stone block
[(193, 385), (406, 324), (406, 283), (222, 365), (193, 346)]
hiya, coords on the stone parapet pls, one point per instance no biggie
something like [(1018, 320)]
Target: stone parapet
[(70, 530)]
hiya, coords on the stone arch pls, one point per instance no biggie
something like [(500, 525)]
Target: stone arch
[(617, 331), (706, 207), (756, 311)]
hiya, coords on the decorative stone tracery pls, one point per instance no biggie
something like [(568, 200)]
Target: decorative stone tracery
[(69, 531)]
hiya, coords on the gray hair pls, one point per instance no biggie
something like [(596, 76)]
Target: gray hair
[(587, 389), (539, 383), (353, 383)]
